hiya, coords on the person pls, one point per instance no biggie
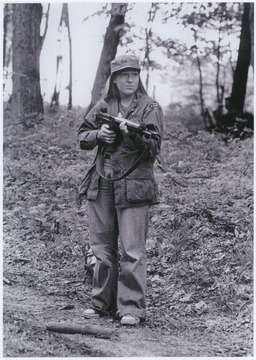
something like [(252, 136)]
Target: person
[(118, 203)]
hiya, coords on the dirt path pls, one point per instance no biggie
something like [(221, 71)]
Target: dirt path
[(27, 311)]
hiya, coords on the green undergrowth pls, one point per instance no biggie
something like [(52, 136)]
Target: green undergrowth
[(200, 252)]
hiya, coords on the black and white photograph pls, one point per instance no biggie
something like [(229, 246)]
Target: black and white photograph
[(128, 179)]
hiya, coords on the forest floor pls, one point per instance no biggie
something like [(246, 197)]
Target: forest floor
[(200, 245)]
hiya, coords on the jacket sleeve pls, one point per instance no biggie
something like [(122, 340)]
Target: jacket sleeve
[(153, 120), (88, 130)]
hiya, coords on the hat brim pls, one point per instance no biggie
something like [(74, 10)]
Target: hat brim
[(125, 67)]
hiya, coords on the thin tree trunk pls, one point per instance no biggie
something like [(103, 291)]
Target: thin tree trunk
[(7, 42), (56, 93), (252, 32), (70, 61), (46, 15), (218, 68), (243, 61), (219, 88), (8, 33), (201, 84), (148, 33), (147, 57), (64, 22), (111, 41), (200, 76)]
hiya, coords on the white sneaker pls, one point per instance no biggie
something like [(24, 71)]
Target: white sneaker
[(91, 314), (129, 319)]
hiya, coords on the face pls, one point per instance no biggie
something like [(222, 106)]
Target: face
[(127, 81)]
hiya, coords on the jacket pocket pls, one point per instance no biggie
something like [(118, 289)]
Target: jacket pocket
[(139, 190)]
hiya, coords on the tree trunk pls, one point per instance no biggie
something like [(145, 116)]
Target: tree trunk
[(252, 32), (26, 96), (218, 69), (200, 74), (148, 35), (7, 35), (64, 22), (243, 61), (46, 16), (7, 44), (56, 92), (200, 84), (111, 41), (148, 39), (70, 60)]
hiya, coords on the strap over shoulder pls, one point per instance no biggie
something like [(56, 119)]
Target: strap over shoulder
[(100, 168)]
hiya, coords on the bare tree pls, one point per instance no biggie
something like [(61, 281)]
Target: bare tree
[(70, 60), (64, 23), (7, 35), (7, 43), (195, 49), (46, 16), (243, 60), (148, 39), (27, 44), (252, 33), (111, 41)]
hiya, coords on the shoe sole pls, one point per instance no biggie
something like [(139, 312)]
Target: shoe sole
[(129, 322), (91, 316)]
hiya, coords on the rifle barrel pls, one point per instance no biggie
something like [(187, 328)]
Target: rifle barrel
[(108, 117)]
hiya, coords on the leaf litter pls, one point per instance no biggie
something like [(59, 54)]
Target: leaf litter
[(200, 273)]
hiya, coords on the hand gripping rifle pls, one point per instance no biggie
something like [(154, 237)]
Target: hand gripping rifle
[(114, 122)]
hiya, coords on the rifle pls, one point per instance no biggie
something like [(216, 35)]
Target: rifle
[(114, 122)]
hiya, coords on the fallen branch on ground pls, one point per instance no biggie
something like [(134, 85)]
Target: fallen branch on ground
[(91, 330), (6, 281)]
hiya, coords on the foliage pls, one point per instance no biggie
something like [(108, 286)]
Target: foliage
[(171, 39), (210, 47), (214, 50), (200, 239)]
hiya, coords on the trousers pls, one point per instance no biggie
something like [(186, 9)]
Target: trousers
[(119, 279)]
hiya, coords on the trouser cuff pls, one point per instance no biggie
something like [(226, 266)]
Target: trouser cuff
[(141, 313)]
